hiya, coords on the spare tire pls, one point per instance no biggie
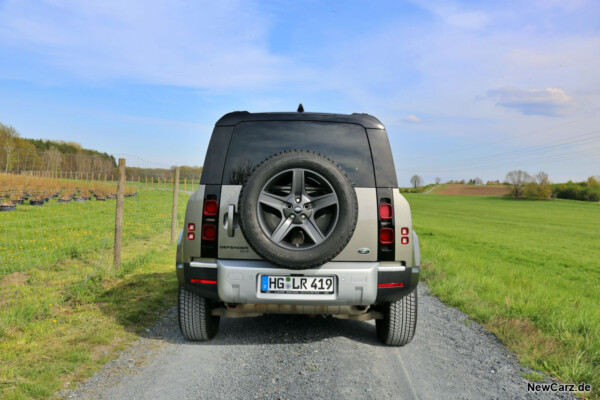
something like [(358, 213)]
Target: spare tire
[(298, 209)]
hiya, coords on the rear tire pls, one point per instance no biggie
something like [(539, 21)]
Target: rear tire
[(195, 321), (399, 322)]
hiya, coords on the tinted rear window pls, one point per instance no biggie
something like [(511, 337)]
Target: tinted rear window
[(252, 142)]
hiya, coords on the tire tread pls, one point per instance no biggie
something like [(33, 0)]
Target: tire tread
[(400, 321), (195, 321)]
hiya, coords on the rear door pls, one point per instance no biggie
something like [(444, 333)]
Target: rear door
[(253, 142)]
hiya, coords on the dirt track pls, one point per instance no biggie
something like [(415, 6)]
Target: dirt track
[(296, 357)]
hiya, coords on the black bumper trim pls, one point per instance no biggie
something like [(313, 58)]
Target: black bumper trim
[(409, 279), (185, 274)]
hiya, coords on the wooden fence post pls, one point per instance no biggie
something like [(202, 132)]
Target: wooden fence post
[(174, 213), (119, 214)]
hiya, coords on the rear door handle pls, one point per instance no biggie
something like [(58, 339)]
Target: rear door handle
[(230, 213)]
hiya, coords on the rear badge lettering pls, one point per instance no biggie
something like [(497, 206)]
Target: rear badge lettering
[(364, 251)]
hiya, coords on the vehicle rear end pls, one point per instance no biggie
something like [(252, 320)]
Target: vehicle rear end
[(298, 213)]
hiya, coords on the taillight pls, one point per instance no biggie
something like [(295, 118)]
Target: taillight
[(191, 227), (191, 236), (404, 231), (386, 236), (399, 284), (386, 248), (207, 228), (386, 211), (209, 232), (211, 208), (203, 281)]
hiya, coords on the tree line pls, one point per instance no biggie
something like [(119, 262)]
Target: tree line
[(19, 155), (22, 155), (538, 186), (190, 174)]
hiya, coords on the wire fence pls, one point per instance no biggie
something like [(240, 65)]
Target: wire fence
[(49, 217)]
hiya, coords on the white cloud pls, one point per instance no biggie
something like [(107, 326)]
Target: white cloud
[(200, 44), (550, 102), (413, 119)]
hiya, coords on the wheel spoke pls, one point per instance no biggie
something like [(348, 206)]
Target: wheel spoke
[(313, 231), (282, 230), (298, 182), (324, 201), (271, 200)]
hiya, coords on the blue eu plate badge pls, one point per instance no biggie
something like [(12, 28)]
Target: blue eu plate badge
[(264, 283)]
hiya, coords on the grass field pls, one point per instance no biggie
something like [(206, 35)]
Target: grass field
[(528, 270), (63, 317), (35, 236)]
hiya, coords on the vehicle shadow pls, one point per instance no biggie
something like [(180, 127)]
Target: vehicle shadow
[(272, 329), (281, 329), (269, 328)]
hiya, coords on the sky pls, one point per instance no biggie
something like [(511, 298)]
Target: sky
[(465, 88)]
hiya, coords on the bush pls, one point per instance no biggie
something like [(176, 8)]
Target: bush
[(577, 191), (530, 190), (544, 192)]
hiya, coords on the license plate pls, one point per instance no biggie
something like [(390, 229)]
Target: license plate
[(297, 284)]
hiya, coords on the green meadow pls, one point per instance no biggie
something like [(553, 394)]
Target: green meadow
[(39, 236), (65, 314), (528, 270)]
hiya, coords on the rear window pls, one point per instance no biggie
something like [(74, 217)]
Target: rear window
[(252, 142)]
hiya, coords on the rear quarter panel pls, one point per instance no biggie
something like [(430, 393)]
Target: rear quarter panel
[(193, 214), (403, 218)]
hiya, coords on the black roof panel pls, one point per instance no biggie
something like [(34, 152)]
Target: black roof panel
[(234, 118)]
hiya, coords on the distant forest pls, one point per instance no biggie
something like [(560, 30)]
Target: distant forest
[(22, 155)]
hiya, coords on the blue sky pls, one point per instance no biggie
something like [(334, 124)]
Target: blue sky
[(465, 89)]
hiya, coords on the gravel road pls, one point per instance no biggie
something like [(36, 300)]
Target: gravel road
[(298, 357)]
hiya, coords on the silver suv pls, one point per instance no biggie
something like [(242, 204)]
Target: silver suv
[(298, 213)]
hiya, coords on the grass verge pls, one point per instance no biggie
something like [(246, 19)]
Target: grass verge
[(528, 270), (59, 324)]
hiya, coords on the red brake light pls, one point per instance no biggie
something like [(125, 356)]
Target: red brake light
[(401, 284), (211, 207), (209, 232), (404, 231), (404, 240), (386, 236), (191, 227), (204, 281), (386, 211), (191, 236)]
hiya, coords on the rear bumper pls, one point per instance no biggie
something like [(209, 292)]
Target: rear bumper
[(357, 283)]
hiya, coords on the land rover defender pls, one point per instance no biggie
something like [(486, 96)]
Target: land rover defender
[(298, 213)]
